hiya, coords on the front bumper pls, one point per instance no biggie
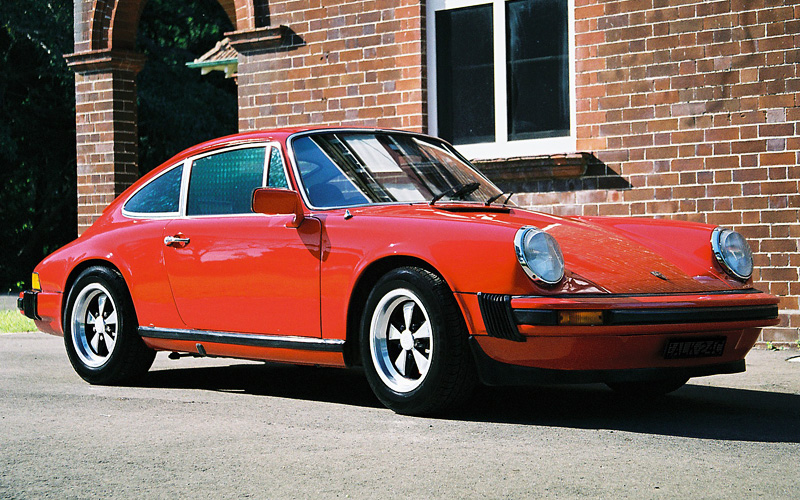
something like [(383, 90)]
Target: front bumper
[(516, 318), (626, 337), (44, 308), (27, 304)]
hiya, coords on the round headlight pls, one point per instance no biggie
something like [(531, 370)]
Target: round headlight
[(539, 255), (732, 252)]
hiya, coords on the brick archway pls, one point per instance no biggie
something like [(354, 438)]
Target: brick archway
[(106, 64)]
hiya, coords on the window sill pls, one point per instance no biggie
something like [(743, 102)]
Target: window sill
[(546, 173), (535, 168)]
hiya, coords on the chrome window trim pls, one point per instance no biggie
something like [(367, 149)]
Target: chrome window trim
[(299, 180), (717, 251)]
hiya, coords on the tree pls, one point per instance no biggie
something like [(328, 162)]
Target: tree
[(37, 136)]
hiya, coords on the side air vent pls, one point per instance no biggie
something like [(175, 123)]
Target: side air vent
[(497, 316)]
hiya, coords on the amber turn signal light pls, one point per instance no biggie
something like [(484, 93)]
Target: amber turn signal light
[(580, 318), (35, 284)]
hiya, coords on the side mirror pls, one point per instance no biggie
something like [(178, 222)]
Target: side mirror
[(279, 202)]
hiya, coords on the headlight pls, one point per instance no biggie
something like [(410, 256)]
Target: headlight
[(732, 252), (539, 255)]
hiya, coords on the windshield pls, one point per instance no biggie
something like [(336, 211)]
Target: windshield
[(341, 169)]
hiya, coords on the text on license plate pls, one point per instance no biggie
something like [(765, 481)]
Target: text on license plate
[(695, 348)]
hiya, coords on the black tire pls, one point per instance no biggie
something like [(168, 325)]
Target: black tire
[(648, 389), (99, 299), (420, 368)]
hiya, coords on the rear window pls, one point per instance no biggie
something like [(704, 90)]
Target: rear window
[(159, 196)]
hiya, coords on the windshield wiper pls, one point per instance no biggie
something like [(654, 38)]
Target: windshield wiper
[(457, 191), (498, 196)]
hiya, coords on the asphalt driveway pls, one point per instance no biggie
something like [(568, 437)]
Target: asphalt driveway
[(215, 428)]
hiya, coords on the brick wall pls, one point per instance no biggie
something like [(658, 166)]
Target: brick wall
[(354, 62), (95, 114), (696, 105), (106, 130)]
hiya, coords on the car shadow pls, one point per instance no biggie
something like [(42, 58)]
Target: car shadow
[(695, 411), (331, 385)]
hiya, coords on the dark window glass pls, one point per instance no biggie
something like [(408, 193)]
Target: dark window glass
[(465, 74), (325, 183), (276, 178), (538, 69), (161, 195), (223, 183)]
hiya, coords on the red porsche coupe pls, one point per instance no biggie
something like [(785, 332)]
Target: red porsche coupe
[(387, 250)]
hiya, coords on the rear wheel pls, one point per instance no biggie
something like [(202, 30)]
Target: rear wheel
[(650, 388), (100, 330), (414, 344)]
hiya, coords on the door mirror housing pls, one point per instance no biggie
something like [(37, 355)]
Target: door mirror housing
[(270, 201)]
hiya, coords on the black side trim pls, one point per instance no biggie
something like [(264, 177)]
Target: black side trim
[(695, 315), (27, 304), (492, 372), (538, 317), (246, 339), (498, 317), (656, 316)]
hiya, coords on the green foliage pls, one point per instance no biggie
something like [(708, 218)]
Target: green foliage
[(13, 321), (177, 108), (37, 136)]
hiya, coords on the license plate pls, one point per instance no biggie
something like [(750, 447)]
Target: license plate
[(695, 348)]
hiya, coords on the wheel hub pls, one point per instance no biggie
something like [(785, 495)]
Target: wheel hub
[(407, 340)]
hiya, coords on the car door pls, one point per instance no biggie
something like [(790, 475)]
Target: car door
[(231, 270)]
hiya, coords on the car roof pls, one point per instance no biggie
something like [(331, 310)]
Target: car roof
[(276, 135)]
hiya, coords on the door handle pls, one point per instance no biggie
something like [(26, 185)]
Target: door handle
[(176, 241)]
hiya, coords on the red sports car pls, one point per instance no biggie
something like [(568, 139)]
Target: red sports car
[(387, 250)]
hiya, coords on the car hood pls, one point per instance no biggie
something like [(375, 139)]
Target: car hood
[(640, 256)]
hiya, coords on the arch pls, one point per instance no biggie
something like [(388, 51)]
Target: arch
[(113, 23)]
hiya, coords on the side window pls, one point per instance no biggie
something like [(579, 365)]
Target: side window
[(159, 196), (276, 178), (223, 183)]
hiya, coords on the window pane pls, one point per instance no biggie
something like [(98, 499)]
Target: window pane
[(363, 168), (161, 195), (465, 74), (276, 176), (325, 183), (538, 69), (223, 183)]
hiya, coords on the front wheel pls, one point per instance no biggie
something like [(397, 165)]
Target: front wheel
[(100, 330), (414, 344)]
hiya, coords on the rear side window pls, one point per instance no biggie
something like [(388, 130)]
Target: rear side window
[(223, 183), (159, 196)]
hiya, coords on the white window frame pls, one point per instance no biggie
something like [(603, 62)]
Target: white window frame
[(501, 147)]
